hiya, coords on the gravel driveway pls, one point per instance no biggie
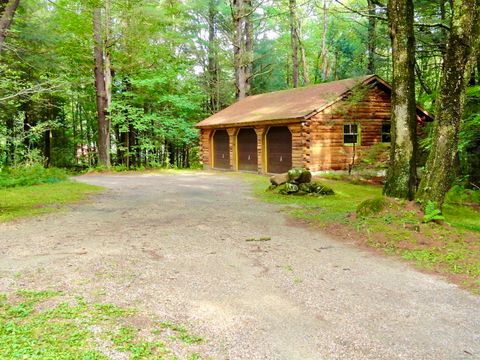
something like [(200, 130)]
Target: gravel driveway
[(174, 245)]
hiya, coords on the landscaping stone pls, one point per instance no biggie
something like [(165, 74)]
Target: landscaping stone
[(279, 179)]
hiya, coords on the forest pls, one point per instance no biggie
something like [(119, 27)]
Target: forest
[(121, 83)]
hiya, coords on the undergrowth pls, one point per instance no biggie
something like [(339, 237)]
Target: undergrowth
[(48, 325), (31, 175)]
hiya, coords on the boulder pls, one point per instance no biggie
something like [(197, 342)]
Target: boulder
[(299, 175), (321, 189), (279, 179), (291, 188), (287, 189)]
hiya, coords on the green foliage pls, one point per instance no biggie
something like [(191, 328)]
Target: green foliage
[(371, 206), (432, 213), (458, 194), (31, 175)]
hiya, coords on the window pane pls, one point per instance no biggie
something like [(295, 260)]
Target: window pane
[(386, 133), (350, 139), (346, 129), (353, 128)]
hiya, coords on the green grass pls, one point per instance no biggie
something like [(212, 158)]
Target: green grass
[(31, 175), (25, 201), (47, 325), (453, 251)]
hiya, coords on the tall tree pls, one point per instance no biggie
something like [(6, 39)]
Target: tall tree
[(6, 20), (462, 48), (248, 57), (306, 74), (401, 174), (241, 11), (324, 41), (108, 58), (212, 61), (103, 123), (294, 41), (371, 42)]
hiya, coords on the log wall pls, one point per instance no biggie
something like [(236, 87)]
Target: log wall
[(325, 149)]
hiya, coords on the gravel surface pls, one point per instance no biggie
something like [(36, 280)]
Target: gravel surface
[(174, 246)]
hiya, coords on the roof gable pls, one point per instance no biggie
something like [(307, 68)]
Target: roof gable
[(293, 104)]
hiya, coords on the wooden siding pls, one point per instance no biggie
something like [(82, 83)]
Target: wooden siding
[(325, 149), (317, 143)]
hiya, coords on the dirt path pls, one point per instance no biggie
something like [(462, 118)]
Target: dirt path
[(174, 246)]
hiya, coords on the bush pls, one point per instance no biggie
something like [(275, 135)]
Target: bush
[(459, 195), (371, 206), (31, 175)]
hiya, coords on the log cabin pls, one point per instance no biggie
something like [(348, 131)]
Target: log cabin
[(319, 127)]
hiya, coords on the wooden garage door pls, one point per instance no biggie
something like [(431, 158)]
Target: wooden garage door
[(247, 149), (221, 150), (279, 149)]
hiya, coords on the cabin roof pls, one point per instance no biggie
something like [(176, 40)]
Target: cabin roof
[(293, 104)]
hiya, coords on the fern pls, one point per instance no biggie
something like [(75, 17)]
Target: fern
[(432, 213)]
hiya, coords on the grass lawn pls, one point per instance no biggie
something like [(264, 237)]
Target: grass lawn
[(27, 201), (50, 325), (451, 248)]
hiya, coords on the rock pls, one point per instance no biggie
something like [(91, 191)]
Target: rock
[(299, 175), (291, 188), (279, 179), (321, 189), (287, 188)]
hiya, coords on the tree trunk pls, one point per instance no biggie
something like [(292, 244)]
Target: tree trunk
[(108, 59), (401, 174), (371, 47), (324, 41), (6, 20), (306, 75), (462, 48), (212, 65), (294, 41), (238, 49), (103, 125), (242, 46), (248, 58)]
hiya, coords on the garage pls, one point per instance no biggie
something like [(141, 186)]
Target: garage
[(247, 150), (279, 149), (221, 150)]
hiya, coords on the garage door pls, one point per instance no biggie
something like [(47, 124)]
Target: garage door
[(221, 150), (279, 149), (247, 149)]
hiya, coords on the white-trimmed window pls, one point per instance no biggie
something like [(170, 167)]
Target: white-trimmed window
[(351, 134)]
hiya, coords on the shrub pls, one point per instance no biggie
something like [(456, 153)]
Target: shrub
[(31, 175), (371, 206), (459, 195)]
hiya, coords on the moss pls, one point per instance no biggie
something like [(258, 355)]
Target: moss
[(321, 189), (371, 206), (299, 175)]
